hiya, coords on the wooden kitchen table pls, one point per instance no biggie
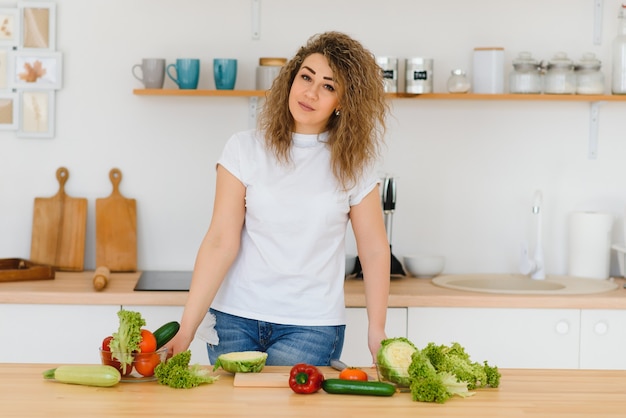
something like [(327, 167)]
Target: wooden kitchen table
[(523, 393)]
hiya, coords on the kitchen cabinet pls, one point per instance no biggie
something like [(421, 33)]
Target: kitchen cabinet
[(508, 338), (603, 339), (34, 333), (355, 349)]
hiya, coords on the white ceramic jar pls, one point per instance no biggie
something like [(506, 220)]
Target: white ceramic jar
[(267, 71), (488, 70)]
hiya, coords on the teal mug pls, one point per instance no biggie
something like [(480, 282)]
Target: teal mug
[(225, 73), (187, 73)]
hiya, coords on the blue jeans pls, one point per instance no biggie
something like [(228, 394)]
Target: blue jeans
[(285, 345)]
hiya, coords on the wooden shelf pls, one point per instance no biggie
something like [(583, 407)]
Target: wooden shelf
[(429, 96)]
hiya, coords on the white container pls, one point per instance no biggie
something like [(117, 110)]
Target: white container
[(419, 75), (618, 76), (589, 78), (526, 75), (488, 70), (267, 71), (560, 77), (458, 82), (389, 65), (589, 243)]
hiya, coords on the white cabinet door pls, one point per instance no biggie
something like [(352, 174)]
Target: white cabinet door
[(156, 316), (60, 334), (603, 339), (507, 338), (355, 350)]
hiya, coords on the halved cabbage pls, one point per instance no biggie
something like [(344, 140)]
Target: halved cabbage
[(241, 361), (394, 358)]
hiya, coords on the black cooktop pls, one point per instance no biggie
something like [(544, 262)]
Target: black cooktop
[(164, 280)]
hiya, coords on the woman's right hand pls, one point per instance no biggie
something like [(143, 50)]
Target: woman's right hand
[(177, 345)]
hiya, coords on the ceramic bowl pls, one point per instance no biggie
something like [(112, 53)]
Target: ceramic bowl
[(424, 266)]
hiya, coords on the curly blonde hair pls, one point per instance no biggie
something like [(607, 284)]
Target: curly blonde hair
[(355, 135)]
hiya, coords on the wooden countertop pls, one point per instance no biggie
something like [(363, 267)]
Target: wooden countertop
[(77, 289), (528, 393)]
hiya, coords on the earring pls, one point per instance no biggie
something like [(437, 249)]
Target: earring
[(337, 112)]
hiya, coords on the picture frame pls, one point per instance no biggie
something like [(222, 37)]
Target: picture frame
[(5, 68), (35, 70), (37, 114), (37, 25), (9, 116), (10, 27)]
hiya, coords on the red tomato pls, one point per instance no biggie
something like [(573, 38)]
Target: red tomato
[(145, 363), (148, 342), (352, 373), (108, 359)]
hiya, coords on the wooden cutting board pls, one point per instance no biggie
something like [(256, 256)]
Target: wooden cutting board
[(116, 229), (59, 229), (262, 380)]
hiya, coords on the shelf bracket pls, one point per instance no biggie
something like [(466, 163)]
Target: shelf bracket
[(594, 125), (253, 104), (256, 19), (597, 21)]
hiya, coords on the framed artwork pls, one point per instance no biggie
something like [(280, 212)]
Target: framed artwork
[(36, 114), (37, 25), (35, 70), (9, 111), (4, 69), (9, 27)]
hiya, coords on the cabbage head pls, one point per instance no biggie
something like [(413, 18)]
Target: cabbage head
[(241, 362), (394, 358)]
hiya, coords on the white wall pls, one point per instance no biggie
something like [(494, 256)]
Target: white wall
[(466, 170)]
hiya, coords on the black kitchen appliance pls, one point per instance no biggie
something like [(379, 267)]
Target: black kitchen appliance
[(164, 281), (389, 205)]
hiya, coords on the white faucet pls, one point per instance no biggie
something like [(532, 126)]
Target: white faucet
[(535, 265)]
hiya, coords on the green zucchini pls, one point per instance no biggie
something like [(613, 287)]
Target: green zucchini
[(90, 375), (166, 333), (358, 387)]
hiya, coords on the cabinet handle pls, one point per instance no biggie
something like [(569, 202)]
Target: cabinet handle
[(601, 328), (562, 327)]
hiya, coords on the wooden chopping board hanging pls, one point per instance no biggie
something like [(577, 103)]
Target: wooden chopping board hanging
[(116, 229), (59, 229)]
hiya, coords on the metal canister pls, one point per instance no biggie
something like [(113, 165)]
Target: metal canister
[(389, 67), (419, 75)]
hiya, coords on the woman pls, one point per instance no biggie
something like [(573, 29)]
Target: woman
[(271, 266)]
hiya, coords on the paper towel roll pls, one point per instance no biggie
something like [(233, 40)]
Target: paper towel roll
[(590, 244)]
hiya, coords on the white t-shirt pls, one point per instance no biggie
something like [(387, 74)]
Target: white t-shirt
[(291, 263)]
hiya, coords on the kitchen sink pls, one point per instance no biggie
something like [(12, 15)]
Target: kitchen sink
[(523, 285)]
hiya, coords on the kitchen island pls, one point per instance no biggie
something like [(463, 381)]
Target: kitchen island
[(522, 393), (523, 331)]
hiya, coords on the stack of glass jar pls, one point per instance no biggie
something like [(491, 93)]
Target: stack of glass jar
[(558, 76)]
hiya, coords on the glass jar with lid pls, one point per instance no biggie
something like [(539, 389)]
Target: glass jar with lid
[(589, 78), (560, 77), (526, 75), (458, 82)]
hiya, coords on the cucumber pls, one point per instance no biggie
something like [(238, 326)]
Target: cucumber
[(90, 375), (358, 387), (166, 333)]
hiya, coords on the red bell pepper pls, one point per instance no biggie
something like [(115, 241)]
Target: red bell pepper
[(305, 378)]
